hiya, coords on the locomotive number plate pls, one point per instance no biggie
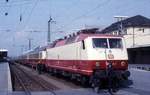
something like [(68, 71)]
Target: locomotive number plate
[(110, 56)]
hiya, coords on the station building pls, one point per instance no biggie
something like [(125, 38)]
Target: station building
[(136, 31)]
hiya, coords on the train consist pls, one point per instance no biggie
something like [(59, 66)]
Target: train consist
[(85, 56), (3, 55)]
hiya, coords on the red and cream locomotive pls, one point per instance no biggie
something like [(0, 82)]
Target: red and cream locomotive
[(82, 57)]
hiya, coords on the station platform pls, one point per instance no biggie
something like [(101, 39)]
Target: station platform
[(5, 78)]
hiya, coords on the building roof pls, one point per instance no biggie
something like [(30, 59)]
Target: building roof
[(135, 21)]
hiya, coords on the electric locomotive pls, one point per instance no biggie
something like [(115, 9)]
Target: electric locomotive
[(85, 56)]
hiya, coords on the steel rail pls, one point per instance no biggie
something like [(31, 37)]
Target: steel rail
[(37, 81), (27, 91)]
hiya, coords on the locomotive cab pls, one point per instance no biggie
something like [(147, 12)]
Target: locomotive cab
[(106, 52)]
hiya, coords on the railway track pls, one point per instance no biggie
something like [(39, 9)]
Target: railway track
[(61, 82), (69, 83), (25, 81)]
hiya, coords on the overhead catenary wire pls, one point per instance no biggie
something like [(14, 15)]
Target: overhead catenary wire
[(85, 14), (8, 5), (21, 15), (92, 10), (73, 4), (14, 5), (29, 16), (13, 1)]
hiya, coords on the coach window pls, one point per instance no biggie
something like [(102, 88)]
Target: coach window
[(83, 44)]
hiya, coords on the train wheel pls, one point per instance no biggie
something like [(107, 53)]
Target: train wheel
[(113, 85), (84, 81), (96, 89), (96, 85), (112, 91), (44, 69), (95, 82), (39, 69)]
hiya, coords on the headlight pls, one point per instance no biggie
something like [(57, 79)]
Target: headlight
[(123, 63), (97, 64)]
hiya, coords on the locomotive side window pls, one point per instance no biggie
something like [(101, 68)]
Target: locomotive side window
[(100, 43), (115, 43), (83, 44)]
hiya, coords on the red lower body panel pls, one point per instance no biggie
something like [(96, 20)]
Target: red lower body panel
[(84, 67)]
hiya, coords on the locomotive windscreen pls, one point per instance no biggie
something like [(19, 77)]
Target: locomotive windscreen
[(115, 43), (103, 43), (100, 43)]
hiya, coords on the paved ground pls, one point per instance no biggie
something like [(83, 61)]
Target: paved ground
[(141, 86), (5, 79), (141, 82), (58, 82)]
